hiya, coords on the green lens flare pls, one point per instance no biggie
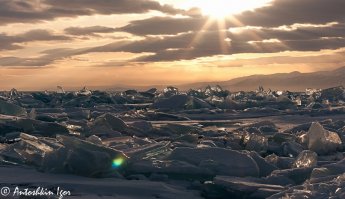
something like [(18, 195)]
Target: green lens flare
[(117, 162)]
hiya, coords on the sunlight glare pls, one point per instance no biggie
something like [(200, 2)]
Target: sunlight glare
[(223, 8)]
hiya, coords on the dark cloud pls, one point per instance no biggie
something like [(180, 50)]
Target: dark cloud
[(279, 13), (186, 46), (170, 38), (166, 25), (149, 44), (287, 12), (114, 6), (298, 33), (40, 35), (48, 57), (209, 43), (244, 47), (16, 61), (171, 26), (13, 42), (92, 30), (18, 11)]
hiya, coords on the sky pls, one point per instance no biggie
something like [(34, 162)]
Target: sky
[(115, 43)]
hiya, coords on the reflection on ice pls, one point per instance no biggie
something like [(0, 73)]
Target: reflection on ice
[(321, 140), (306, 159)]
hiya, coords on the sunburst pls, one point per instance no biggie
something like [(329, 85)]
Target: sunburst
[(222, 13), (222, 8)]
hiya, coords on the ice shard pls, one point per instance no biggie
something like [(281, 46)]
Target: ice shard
[(321, 140), (7, 108), (306, 159)]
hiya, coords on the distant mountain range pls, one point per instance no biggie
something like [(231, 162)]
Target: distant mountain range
[(294, 81)]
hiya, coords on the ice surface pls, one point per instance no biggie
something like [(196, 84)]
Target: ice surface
[(83, 158), (280, 162), (143, 126), (7, 108), (170, 91), (327, 188), (207, 143), (84, 92), (30, 150), (292, 149), (108, 124), (180, 129), (306, 159), (64, 155), (14, 93), (95, 140), (174, 102), (171, 168), (60, 90), (251, 187), (91, 188), (322, 141), (264, 166), (295, 176), (221, 161), (148, 150), (32, 114), (215, 91), (257, 143)]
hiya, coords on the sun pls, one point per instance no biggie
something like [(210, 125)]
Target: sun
[(223, 8)]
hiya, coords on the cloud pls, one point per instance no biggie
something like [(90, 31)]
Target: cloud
[(40, 35), (285, 25), (114, 6), (92, 30), (17, 11), (166, 25), (186, 47), (16, 61), (303, 32), (193, 45), (336, 58), (173, 26), (12, 11), (210, 49), (48, 57), (12, 42), (288, 12), (278, 13), (7, 43)]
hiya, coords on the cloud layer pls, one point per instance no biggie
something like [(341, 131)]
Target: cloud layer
[(175, 34), (33, 11)]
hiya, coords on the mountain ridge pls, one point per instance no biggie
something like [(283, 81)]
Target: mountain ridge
[(293, 81)]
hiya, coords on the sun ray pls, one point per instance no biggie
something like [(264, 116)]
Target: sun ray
[(222, 30), (200, 33), (219, 15)]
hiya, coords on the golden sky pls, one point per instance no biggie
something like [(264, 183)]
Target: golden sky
[(76, 43)]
